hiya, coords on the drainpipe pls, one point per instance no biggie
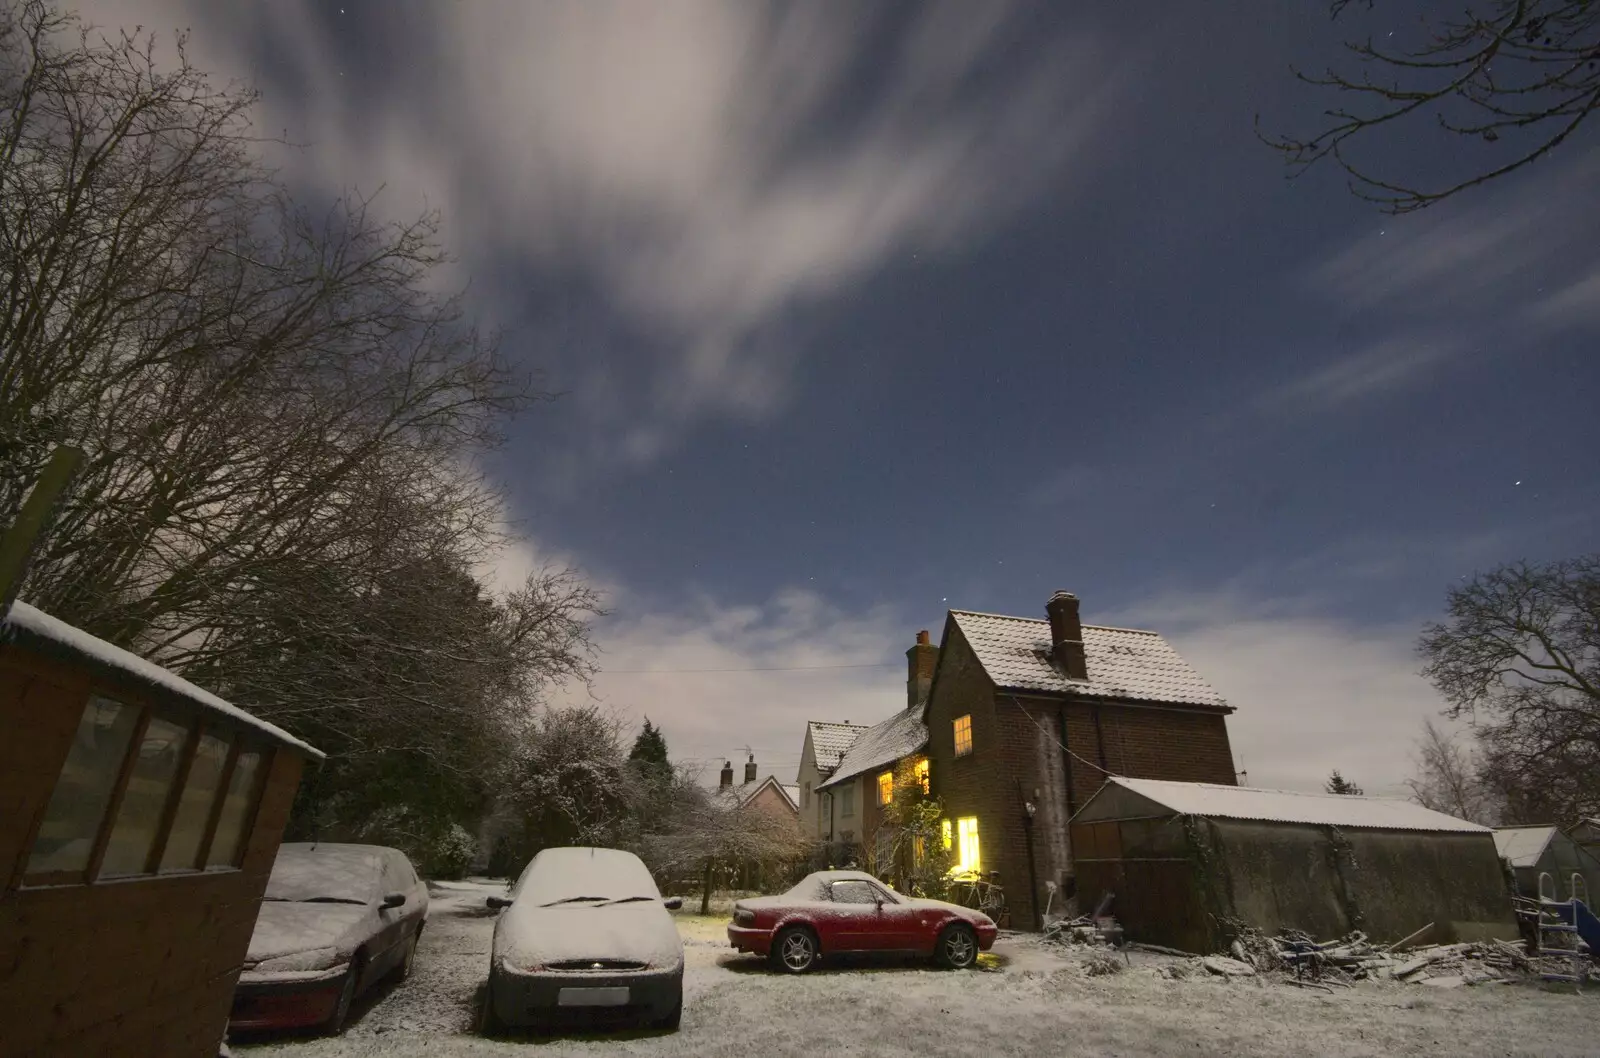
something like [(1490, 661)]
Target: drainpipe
[(1028, 809)]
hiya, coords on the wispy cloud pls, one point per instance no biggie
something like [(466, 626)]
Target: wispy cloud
[(709, 166), (1384, 367)]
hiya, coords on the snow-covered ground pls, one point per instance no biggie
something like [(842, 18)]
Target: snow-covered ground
[(1026, 1000)]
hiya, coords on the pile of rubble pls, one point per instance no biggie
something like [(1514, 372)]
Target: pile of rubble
[(1303, 961)]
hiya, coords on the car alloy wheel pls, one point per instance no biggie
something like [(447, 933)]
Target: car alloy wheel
[(796, 950), (958, 946)]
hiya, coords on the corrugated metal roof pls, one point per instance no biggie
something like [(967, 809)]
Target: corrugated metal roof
[(1289, 806), (1123, 663), (901, 735), (830, 741), (34, 628), (1522, 846)]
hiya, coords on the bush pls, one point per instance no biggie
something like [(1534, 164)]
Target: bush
[(450, 855), (1101, 963)]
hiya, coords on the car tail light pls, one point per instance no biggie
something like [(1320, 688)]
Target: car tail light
[(743, 916)]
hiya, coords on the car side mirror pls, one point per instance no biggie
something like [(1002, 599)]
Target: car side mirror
[(393, 900), (498, 902), (672, 903)]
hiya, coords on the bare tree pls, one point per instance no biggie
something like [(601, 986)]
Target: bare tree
[(1520, 657), (1517, 78), (706, 833), (1447, 778)]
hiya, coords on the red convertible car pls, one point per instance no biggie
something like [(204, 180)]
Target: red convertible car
[(848, 911)]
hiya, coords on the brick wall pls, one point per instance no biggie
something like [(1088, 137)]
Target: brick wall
[(977, 784), (140, 967)]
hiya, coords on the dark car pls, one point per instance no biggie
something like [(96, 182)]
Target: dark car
[(335, 919), (848, 911), (584, 936)]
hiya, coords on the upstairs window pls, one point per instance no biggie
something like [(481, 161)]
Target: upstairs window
[(963, 733), (885, 788)]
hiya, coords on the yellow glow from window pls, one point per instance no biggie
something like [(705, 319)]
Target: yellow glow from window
[(944, 831), (963, 728), (919, 849), (921, 772), (886, 787), (968, 857)]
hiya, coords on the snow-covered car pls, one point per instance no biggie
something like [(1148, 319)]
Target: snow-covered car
[(848, 911), (335, 920), (584, 935)]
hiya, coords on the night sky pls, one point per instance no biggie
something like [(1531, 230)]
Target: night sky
[(862, 312)]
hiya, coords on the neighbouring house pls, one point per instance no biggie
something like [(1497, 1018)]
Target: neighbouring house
[(1025, 719), (862, 784), (1532, 851), (139, 819), (825, 745), (762, 795), (1184, 860)]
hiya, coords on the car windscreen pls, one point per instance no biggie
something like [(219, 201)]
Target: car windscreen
[(576, 877), (332, 876)]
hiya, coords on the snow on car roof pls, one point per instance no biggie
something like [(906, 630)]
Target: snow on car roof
[(38, 630), (563, 873), (308, 870), (810, 887)]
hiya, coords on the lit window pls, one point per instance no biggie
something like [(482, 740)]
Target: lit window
[(886, 788), (921, 773), (963, 728), (77, 808), (944, 831), (919, 850), (968, 857)]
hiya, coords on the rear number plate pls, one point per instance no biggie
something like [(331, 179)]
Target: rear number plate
[(592, 997)]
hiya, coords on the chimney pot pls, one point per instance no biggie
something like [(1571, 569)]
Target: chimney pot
[(750, 769), (727, 773), (1066, 636)]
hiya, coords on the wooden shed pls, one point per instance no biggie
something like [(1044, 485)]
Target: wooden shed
[(1186, 862), (139, 819)]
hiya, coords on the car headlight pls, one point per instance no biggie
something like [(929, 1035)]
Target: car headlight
[(744, 916), (315, 959)]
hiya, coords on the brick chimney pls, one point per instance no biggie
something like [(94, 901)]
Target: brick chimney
[(920, 660), (1066, 636), (750, 769), (727, 774)]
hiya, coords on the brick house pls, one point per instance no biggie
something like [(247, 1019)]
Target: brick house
[(1027, 717), (851, 798), (762, 795)]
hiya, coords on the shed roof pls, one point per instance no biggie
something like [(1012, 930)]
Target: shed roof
[(829, 741), (1123, 663), (31, 627), (1288, 806), (901, 735), (1522, 846)]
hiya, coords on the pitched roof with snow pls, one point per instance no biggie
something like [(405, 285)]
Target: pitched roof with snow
[(36, 630), (1288, 806), (829, 741), (1522, 846), (742, 794), (901, 735), (1123, 663)]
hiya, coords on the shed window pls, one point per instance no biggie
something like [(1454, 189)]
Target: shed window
[(233, 823), (144, 802), (200, 792), (963, 732), (77, 808), (886, 787)]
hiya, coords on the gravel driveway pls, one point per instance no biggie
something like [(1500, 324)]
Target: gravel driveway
[(1027, 1000)]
